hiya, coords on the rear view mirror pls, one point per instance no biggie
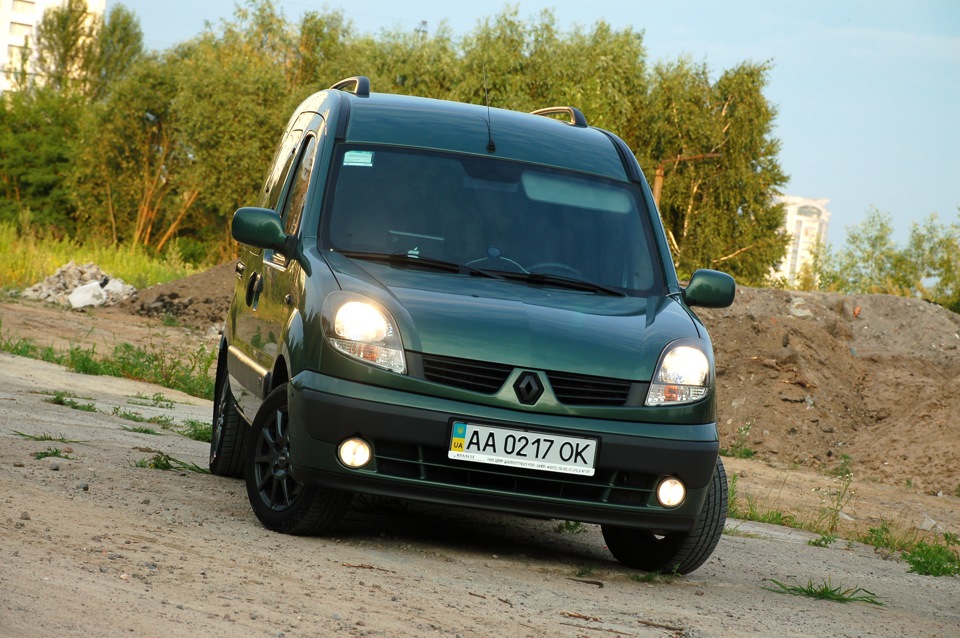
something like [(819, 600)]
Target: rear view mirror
[(261, 228), (710, 289)]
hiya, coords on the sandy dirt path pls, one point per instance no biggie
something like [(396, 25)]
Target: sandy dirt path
[(95, 546)]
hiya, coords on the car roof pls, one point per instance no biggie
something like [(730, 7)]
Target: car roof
[(402, 120)]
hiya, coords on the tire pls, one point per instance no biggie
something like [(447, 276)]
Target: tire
[(280, 502), (228, 435), (675, 552)]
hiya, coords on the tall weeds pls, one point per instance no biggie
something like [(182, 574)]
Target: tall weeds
[(29, 258)]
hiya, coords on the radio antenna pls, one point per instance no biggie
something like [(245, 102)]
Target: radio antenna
[(491, 146)]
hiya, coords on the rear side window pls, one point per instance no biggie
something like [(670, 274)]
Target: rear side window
[(293, 208), (489, 213)]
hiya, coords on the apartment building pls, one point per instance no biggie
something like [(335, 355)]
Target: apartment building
[(18, 20), (806, 220)]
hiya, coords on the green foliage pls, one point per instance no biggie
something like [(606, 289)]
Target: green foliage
[(140, 430), (168, 145), (826, 591), (36, 156), (44, 437), (740, 449), (717, 211), (570, 527), (583, 571), (129, 415), (158, 400), (871, 262), (65, 399), (52, 452), (162, 461), (824, 540), (158, 363), (748, 508), (29, 258), (934, 559), (197, 430)]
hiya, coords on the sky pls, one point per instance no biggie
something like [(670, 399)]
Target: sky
[(867, 91)]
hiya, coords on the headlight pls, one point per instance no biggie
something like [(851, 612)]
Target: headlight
[(364, 330), (682, 376)]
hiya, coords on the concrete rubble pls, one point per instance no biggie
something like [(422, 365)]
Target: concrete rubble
[(80, 286)]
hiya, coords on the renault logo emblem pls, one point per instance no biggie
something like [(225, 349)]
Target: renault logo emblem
[(529, 388)]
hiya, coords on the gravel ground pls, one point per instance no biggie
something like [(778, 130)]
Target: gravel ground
[(95, 546)]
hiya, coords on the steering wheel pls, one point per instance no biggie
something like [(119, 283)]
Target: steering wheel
[(556, 266)]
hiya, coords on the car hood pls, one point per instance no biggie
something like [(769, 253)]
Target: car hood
[(519, 324)]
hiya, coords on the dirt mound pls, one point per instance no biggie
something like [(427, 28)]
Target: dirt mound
[(869, 383), (199, 301), (829, 381)]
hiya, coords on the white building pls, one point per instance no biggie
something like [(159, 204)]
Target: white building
[(806, 221), (18, 19)]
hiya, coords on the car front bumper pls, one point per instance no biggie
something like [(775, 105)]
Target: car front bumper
[(410, 436)]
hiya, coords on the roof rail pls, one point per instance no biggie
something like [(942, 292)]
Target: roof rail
[(576, 116), (360, 84)]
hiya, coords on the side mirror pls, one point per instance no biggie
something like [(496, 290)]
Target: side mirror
[(261, 228), (710, 289)]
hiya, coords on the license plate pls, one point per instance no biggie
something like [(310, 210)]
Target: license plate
[(519, 448)]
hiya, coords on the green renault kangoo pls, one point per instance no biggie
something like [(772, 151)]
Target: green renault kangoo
[(471, 306)]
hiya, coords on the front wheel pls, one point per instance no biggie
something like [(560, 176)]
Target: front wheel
[(280, 502), (675, 552)]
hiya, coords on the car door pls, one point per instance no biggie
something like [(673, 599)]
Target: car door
[(250, 354), (280, 286)]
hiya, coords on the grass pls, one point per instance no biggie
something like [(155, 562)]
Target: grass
[(825, 591), (159, 363), (654, 577), (162, 420), (824, 540), (927, 554), (68, 400), (30, 258), (52, 452), (197, 430), (140, 429), (739, 449), (570, 527), (158, 400), (586, 570), (935, 559), (747, 508), (161, 461), (44, 437), (885, 537)]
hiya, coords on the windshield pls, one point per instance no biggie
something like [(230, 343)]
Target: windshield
[(489, 214)]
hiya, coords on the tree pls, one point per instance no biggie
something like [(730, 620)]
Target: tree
[(37, 129), (130, 174), (717, 206), (871, 262), (65, 40), (231, 104), (117, 47)]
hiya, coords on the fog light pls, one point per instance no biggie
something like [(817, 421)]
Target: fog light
[(354, 452), (671, 492)]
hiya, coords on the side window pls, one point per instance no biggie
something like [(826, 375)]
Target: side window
[(293, 208), (281, 167)]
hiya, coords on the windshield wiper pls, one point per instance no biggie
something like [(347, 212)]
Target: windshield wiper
[(423, 262), (562, 282)]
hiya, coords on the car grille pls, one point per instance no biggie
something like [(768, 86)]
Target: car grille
[(488, 378), (475, 376), (575, 389), (612, 487)]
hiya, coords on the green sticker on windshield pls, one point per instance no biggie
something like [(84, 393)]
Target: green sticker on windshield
[(358, 158)]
